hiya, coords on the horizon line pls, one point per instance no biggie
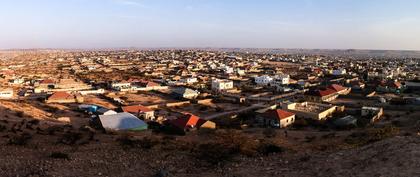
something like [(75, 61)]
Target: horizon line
[(186, 48)]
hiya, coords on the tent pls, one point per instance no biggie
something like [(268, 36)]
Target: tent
[(122, 121)]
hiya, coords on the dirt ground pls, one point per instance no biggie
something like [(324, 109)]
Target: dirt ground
[(55, 154)]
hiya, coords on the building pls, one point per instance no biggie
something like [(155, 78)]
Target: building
[(372, 113), (277, 118), (190, 121), (340, 89), (140, 111), (6, 93), (282, 80), (338, 72), (310, 110), (181, 92), (321, 95), (122, 121), (64, 97), (190, 80), (263, 80), (121, 86), (390, 87), (221, 85)]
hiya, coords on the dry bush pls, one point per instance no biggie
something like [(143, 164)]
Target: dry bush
[(227, 144), (371, 135), (21, 139), (19, 114), (59, 155), (129, 141), (70, 138), (269, 133)]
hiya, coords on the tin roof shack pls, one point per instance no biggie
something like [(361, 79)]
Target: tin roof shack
[(122, 121), (310, 110)]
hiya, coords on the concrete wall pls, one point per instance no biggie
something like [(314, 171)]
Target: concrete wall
[(178, 103)]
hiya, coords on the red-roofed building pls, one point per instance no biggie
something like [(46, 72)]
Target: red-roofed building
[(140, 110), (390, 86), (190, 121), (278, 118), (47, 82), (321, 95), (64, 97), (340, 89)]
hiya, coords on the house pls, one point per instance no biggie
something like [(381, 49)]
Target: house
[(372, 113), (47, 83), (390, 87), (282, 79), (121, 86), (340, 89), (190, 121), (190, 80), (277, 118), (122, 121), (6, 93), (140, 110), (321, 95), (357, 85), (263, 80), (181, 92), (64, 97), (338, 72), (221, 85), (310, 110)]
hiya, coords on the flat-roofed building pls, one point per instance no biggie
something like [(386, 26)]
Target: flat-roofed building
[(310, 110)]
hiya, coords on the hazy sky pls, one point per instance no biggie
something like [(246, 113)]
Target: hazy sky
[(363, 24)]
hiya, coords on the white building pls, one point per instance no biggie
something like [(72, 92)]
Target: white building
[(263, 80), (6, 93), (283, 79), (240, 72), (228, 70), (190, 80), (121, 86), (221, 84)]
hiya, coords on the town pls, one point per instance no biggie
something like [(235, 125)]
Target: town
[(182, 92)]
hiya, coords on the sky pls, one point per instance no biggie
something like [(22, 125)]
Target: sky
[(319, 24)]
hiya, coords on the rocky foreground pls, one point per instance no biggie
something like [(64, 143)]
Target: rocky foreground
[(29, 150)]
